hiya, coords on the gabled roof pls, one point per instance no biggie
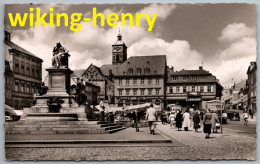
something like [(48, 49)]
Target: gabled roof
[(78, 72), (105, 69), (74, 77), (18, 48), (239, 85), (156, 64), (98, 69)]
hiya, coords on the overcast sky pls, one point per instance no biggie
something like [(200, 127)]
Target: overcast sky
[(222, 36)]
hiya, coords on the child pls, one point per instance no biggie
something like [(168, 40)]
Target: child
[(172, 119)]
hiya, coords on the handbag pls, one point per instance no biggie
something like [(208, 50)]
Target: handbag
[(217, 125)]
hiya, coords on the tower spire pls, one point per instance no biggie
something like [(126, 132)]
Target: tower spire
[(119, 36)]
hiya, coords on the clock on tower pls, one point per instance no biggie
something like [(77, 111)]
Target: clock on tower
[(119, 51)]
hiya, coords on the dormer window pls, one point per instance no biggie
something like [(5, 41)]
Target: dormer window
[(130, 71), (146, 71), (138, 71)]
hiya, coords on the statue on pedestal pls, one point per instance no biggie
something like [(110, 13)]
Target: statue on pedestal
[(60, 57)]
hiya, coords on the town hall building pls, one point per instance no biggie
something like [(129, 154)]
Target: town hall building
[(147, 79)]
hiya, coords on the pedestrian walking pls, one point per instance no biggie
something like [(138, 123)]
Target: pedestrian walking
[(172, 119), (251, 113), (207, 124), (136, 117), (196, 121), (214, 121), (162, 117), (151, 118), (111, 117), (201, 115), (186, 120), (245, 118), (178, 120), (102, 111)]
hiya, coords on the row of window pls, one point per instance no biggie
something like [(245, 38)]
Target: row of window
[(184, 89), (142, 81), (135, 102), (8, 81), (92, 75), (131, 71), (26, 69), (24, 87), (190, 77), (8, 95), (135, 92)]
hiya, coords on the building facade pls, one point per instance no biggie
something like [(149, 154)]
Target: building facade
[(251, 86), (226, 95), (140, 79), (8, 83), (236, 99), (89, 89), (147, 79), (100, 78), (189, 88), (27, 73)]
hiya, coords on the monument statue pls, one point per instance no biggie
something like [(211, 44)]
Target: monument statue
[(60, 57)]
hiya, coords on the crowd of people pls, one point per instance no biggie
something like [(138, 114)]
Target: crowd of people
[(181, 119), (185, 119)]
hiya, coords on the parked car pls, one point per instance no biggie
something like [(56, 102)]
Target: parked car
[(224, 116), (8, 117), (11, 114), (233, 116)]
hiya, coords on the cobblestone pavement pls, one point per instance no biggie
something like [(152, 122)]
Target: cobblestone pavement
[(227, 146)]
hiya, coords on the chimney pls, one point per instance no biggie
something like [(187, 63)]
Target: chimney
[(110, 74), (200, 67), (7, 36)]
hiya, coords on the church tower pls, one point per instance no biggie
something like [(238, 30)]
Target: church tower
[(119, 51)]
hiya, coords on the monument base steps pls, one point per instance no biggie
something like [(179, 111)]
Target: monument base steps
[(61, 127)]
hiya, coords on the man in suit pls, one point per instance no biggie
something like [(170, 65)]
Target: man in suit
[(136, 118), (151, 117)]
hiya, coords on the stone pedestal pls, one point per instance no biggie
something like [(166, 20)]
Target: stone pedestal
[(59, 87), (59, 81)]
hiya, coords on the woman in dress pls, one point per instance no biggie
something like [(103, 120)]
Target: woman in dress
[(186, 120), (214, 121), (207, 124), (196, 121), (172, 118), (178, 120)]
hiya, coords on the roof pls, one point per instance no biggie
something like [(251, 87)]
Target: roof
[(105, 69), (201, 76), (18, 48), (78, 72), (191, 72), (119, 42), (73, 76), (240, 85), (156, 64)]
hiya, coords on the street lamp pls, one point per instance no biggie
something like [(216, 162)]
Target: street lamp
[(221, 130)]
